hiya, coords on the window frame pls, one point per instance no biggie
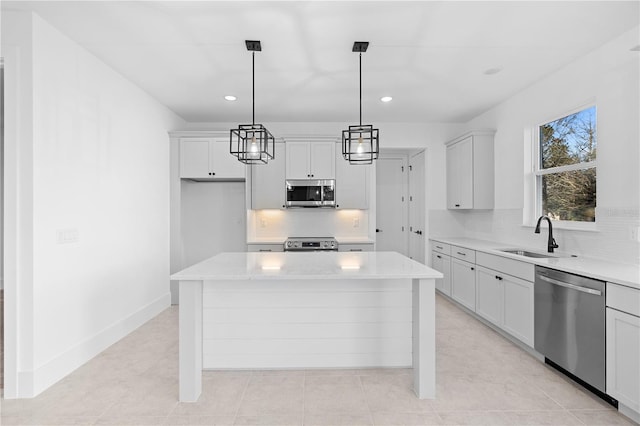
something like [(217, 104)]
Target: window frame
[(538, 172)]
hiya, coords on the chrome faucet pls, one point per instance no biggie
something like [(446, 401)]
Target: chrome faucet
[(551, 242)]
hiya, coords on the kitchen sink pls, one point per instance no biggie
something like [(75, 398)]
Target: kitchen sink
[(526, 253)]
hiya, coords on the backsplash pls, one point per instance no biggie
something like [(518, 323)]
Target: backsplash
[(280, 224), (612, 240)]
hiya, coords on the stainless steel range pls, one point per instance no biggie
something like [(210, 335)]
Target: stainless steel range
[(311, 244)]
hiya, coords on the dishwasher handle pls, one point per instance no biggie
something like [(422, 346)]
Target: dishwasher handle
[(571, 286)]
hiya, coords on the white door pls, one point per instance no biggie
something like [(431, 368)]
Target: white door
[(416, 208), (391, 209)]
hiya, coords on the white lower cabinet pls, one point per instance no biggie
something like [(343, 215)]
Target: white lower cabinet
[(518, 308), (442, 263), (489, 296), (623, 345), (507, 302), (463, 283)]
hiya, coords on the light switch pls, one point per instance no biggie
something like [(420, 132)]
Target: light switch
[(356, 222)]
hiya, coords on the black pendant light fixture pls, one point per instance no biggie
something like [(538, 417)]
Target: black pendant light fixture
[(252, 143), (360, 144)]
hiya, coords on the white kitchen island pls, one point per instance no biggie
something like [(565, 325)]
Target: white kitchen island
[(306, 310)]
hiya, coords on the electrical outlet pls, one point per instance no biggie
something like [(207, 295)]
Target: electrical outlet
[(66, 236), (356, 222), (635, 233), (263, 222)]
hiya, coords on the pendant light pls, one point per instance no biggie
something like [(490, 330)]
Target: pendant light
[(252, 143), (360, 143)]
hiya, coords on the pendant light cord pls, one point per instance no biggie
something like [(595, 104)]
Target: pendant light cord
[(253, 88), (361, 89)]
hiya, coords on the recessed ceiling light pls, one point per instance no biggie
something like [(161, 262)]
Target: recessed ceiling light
[(492, 71), (386, 99), (230, 98), (635, 48)]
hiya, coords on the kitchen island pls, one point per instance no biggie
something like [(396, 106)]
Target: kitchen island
[(306, 310)]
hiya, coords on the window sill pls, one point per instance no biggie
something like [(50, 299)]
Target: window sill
[(568, 226)]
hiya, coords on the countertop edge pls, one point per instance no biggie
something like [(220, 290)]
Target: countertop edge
[(629, 275)]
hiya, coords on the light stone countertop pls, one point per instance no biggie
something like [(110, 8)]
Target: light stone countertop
[(314, 265), (341, 240), (619, 273)]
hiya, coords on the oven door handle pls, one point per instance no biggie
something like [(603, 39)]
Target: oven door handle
[(571, 286)]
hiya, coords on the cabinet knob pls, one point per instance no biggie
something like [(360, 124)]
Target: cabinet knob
[(473, 269), (213, 173), (457, 205)]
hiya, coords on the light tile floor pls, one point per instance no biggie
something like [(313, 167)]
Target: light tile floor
[(482, 379)]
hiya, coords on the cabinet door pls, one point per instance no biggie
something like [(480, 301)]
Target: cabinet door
[(222, 163), (489, 295), (267, 182), (436, 263), (322, 160), (297, 160), (623, 353), (460, 175), (442, 263), (352, 185), (463, 283), (518, 308), (194, 158)]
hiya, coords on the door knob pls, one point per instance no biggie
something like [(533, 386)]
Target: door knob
[(378, 230)]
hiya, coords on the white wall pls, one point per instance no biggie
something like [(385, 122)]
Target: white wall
[(94, 162), (609, 75)]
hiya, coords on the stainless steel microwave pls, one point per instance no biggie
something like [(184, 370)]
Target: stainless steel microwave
[(311, 193)]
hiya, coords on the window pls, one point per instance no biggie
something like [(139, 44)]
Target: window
[(566, 170)]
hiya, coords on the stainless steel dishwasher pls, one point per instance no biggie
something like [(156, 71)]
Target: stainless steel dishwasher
[(570, 324)]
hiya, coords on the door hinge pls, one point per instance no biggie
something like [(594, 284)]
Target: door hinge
[(403, 198), (402, 167), (410, 168), (411, 228), (411, 198), (403, 229)]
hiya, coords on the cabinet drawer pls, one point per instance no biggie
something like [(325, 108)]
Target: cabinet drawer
[(264, 247), (356, 247), (443, 248), (516, 268), (463, 253), (625, 299)]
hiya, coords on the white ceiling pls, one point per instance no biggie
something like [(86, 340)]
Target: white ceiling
[(431, 56)]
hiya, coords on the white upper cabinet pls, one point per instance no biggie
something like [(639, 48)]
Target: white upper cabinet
[(267, 182), (352, 184), (310, 160), (209, 159), (470, 171)]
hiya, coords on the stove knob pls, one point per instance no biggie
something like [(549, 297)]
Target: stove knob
[(333, 244), (289, 243), (325, 244), (296, 244)]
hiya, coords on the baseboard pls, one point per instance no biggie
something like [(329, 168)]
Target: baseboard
[(629, 412), (48, 374)]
